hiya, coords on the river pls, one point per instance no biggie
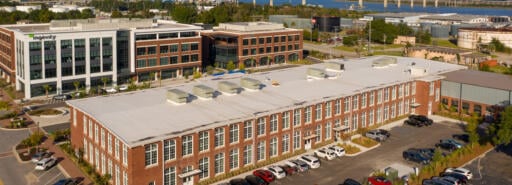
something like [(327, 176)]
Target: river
[(392, 7)]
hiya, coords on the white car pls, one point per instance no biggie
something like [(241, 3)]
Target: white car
[(123, 87), (45, 163), (312, 161), (462, 171), (277, 171), (339, 151), (325, 153)]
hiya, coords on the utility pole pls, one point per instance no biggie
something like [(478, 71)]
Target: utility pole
[(369, 37)]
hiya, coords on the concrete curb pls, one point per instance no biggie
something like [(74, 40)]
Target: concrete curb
[(13, 129), (15, 153), (480, 156), (362, 151)]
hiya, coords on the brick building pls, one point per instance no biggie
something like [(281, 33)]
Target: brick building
[(62, 52), (254, 44), (191, 132), (7, 60)]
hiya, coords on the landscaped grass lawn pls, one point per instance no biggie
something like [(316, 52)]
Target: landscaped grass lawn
[(364, 141), (444, 43), (499, 69), (349, 149)]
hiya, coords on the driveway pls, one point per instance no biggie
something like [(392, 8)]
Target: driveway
[(359, 167), (13, 172), (494, 168)]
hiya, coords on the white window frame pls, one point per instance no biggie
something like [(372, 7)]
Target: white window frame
[(328, 129), (204, 141), (307, 114), (102, 141), (248, 129), (233, 159), (187, 145), (285, 146), (318, 111), (151, 154), (346, 104), (219, 163), (260, 151), (234, 133), (125, 155), (363, 100), (297, 117), (261, 126), (328, 109), (219, 137), (297, 144), (204, 165), (372, 98), (285, 120), (169, 149), (273, 147), (337, 107), (109, 143), (247, 158), (274, 123)]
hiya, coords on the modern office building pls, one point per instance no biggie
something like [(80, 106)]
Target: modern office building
[(254, 44), (191, 132), (61, 53)]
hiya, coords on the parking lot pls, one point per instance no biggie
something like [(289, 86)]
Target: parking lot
[(494, 168), (359, 167)]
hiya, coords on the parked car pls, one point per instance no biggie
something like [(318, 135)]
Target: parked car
[(413, 155), (462, 171), (266, 175), (378, 181), (448, 180), (376, 135), (67, 181), (339, 151), (444, 144), (413, 122), (288, 169), (384, 132), (277, 171), (434, 182), (428, 152), (238, 181), (312, 161), (326, 154), (62, 97), (424, 120), (40, 155), (301, 165), (255, 180), (462, 178), (45, 163), (461, 137), (350, 181), (123, 87)]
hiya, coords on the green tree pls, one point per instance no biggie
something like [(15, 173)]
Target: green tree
[(502, 131), (405, 30), (47, 88), (350, 40), (4, 105), (484, 67), (184, 13), (230, 66), (105, 81), (471, 129), (116, 14), (77, 85), (241, 66), (382, 32)]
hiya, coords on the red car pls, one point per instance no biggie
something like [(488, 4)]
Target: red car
[(378, 181), (266, 175)]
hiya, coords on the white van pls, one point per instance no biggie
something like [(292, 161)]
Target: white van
[(45, 163), (312, 161), (339, 151)]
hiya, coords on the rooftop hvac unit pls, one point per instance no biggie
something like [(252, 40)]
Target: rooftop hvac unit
[(251, 84), (177, 96), (229, 87), (384, 62), (316, 73), (335, 66), (203, 91)]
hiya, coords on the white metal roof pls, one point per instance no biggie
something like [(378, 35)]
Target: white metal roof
[(146, 116)]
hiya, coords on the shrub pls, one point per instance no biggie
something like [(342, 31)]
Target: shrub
[(364, 141), (350, 149)]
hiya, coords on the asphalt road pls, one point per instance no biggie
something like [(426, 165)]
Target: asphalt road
[(495, 168), (359, 167), (53, 128)]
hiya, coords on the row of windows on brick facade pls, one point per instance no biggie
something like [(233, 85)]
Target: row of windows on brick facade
[(257, 151), (94, 134), (262, 50), (171, 48), (151, 62), (263, 40)]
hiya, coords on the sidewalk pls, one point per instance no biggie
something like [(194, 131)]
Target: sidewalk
[(68, 167)]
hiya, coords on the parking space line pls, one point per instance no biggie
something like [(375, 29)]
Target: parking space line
[(52, 179)]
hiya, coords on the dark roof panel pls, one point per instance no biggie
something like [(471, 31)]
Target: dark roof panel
[(480, 78)]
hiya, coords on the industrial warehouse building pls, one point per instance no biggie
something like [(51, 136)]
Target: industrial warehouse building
[(191, 132)]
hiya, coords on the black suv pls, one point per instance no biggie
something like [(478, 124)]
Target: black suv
[(418, 120), (413, 155), (427, 152)]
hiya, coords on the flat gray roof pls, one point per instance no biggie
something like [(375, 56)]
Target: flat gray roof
[(74, 25), (143, 117), (480, 78)]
